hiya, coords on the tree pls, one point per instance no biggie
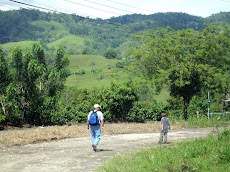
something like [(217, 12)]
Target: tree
[(187, 61), (16, 65), (4, 81), (32, 91), (58, 74), (4, 73), (39, 53), (61, 61)]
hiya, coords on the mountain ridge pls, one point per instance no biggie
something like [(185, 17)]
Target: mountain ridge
[(35, 25)]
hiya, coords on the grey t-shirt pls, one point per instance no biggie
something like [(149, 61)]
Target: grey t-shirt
[(165, 121)]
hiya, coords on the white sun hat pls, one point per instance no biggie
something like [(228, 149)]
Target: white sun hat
[(96, 106)]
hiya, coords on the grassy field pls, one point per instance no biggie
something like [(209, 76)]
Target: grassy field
[(98, 72), (70, 42), (89, 81), (90, 61), (54, 28), (8, 47), (209, 154)]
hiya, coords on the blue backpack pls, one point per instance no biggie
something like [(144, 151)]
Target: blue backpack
[(93, 119)]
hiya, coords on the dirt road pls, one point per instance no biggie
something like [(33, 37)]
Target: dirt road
[(77, 154)]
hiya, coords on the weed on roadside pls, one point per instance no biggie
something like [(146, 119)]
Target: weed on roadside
[(209, 154)]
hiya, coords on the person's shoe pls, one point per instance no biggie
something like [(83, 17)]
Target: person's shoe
[(94, 148)]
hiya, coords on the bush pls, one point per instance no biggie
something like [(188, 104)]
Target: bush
[(199, 105), (2, 117), (81, 117), (145, 111), (138, 114), (120, 64), (110, 54)]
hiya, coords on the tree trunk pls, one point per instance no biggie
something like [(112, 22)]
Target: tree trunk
[(40, 86), (3, 107), (186, 104)]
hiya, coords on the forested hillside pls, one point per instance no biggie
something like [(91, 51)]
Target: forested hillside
[(100, 35), (179, 56)]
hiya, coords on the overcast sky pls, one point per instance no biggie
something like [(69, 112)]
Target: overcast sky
[(112, 8)]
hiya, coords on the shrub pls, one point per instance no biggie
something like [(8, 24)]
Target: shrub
[(110, 54), (120, 64), (145, 111)]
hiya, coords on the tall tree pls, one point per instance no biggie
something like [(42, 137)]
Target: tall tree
[(17, 65), (39, 53), (61, 61), (4, 81), (58, 74), (4, 73), (25, 99), (187, 61)]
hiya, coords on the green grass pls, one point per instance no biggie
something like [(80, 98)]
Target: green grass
[(54, 28), (200, 122), (88, 61), (163, 96), (209, 154), (70, 42), (102, 68), (90, 81), (8, 47)]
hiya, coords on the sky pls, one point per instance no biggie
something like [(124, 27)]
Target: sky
[(112, 8)]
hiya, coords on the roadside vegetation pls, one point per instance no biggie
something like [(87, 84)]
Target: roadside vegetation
[(209, 154), (35, 92)]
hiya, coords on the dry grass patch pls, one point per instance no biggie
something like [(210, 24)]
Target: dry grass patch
[(22, 136)]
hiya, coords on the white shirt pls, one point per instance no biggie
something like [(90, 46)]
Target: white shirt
[(99, 114)]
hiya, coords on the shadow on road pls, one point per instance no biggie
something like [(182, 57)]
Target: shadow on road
[(104, 150)]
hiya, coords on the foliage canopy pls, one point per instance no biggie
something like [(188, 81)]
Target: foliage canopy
[(186, 61)]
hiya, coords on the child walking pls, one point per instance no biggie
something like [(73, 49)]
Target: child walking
[(164, 128)]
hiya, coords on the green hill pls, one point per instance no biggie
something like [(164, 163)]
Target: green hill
[(34, 25), (49, 30), (93, 37), (219, 18), (51, 26), (88, 71), (72, 43)]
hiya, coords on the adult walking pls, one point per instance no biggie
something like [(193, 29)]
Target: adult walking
[(95, 123)]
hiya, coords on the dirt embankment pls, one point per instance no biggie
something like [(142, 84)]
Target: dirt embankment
[(23, 136)]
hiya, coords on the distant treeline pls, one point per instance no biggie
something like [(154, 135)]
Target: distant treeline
[(110, 33)]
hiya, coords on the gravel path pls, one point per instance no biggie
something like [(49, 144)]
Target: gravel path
[(77, 154)]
